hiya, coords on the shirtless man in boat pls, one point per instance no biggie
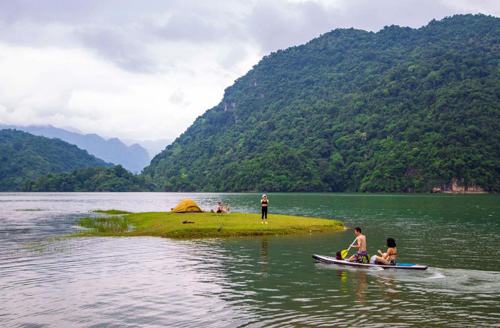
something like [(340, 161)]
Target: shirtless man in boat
[(361, 246)]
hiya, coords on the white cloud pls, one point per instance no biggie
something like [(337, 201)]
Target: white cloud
[(72, 87)]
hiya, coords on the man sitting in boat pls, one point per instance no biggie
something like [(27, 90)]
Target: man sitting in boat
[(389, 257), (361, 255)]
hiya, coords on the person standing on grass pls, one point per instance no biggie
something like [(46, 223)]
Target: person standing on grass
[(264, 202)]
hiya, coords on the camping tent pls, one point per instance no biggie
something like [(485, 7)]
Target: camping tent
[(187, 206)]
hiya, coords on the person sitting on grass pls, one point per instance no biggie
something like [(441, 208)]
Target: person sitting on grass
[(389, 257), (361, 254), (222, 208)]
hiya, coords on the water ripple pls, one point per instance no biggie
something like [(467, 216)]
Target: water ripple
[(263, 282)]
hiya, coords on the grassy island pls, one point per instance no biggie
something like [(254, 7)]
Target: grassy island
[(201, 225)]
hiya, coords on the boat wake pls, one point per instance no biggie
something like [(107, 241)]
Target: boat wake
[(448, 280), (439, 280)]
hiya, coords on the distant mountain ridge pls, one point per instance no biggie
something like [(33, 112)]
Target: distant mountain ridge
[(153, 147), (25, 157), (134, 158), (401, 109)]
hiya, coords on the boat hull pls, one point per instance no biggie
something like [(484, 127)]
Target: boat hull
[(398, 266)]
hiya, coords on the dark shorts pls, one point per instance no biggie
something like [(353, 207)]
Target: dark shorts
[(360, 255)]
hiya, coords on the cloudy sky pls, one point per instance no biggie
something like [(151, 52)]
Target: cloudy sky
[(145, 69)]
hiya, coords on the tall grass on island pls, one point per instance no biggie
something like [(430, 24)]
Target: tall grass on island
[(202, 225), (105, 225)]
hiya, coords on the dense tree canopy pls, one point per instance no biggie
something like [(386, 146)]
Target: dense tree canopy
[(134, 158), (92, 179), (398, 110), (25, 157)]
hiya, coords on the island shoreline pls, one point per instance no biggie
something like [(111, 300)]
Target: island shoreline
[(116, 223)]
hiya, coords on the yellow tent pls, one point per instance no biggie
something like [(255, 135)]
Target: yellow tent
[(187, 206)]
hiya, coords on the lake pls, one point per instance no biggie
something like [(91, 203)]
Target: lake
[(47, 280)]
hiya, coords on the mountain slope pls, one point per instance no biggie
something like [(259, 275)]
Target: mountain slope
[(398, 110), (25, 157), (134, 158)]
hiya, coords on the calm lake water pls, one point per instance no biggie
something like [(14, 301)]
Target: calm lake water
[(47, 281)]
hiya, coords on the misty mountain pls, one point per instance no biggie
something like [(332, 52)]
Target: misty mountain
[(153, 147), (134, 158), (25, 157)]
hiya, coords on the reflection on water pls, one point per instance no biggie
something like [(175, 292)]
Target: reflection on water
[(46, 280), (361, 285), (263, 260)]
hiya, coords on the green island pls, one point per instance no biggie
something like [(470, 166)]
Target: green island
[(201, 225)]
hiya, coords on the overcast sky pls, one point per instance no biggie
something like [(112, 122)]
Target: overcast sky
[(145, 69)]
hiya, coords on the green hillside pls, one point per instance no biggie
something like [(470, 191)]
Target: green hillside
[(25, 157), (92, 179), (398, 110)]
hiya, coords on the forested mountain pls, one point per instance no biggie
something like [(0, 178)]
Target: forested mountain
[(92, 179), (25, 157), (398, 110), (134, 158)]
